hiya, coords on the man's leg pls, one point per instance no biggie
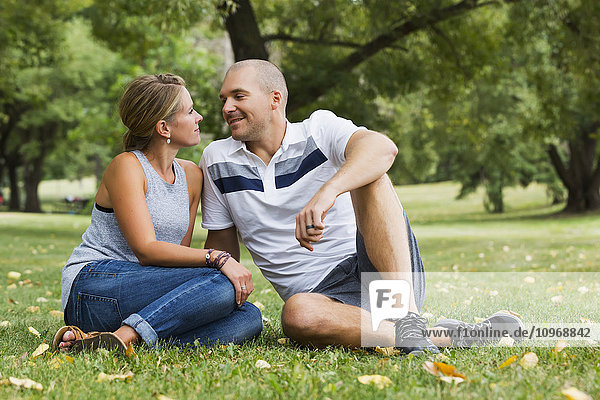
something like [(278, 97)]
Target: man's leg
[(317, 320), (380, 220)]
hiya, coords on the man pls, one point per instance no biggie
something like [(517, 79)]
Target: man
[(315, 208)]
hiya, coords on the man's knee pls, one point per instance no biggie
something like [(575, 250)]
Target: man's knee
[(300, 318)]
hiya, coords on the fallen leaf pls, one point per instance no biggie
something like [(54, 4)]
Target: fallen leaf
[(162, 397), (69, 359), (12, 301), (56, 362), (387, 351), (41, 300), (11, 286), (123, 377), (452, 379), (56, 313), (259, 305), (506, 341), (283, 340), (583, 290), (508, 362), (14, 275), (34, 331), (573, 393), (441, 356), (529, 360), (4, 324), (26, 383), (33, 309), (448, 370), (378, 380), (557, 299), (129, 352), (42, 348), (262, 364), (431, 368), (560, 346)]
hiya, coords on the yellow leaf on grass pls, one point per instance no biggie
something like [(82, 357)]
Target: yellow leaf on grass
[(33, 309), (4, 324), (26, 383), (387, 351), (508, 362), (129, 352), (14, 275), (378, 380), (56, 362), (529, 360), (560, 346), (573, 393), (69, 359), (448, 370), (283, 340), (162, 397), (34, 331), (122, 377), (42, 348), (56, 313)]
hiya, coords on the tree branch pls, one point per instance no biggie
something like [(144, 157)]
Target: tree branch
[(318, 42), (317, 88)]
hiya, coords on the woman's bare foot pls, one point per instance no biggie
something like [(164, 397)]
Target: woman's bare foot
[(67, 341), (127, 334)]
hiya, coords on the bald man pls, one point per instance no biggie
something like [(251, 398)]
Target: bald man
[(314, 206)]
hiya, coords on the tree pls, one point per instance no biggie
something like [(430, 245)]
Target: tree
[(561, 48)]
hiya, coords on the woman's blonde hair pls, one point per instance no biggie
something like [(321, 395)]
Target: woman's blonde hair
[(147, 100)]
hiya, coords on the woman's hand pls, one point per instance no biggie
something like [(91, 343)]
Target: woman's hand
[(240, 277)]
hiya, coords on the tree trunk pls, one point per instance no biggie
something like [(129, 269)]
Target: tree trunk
[(581, 176), (244, 34), (34, 167), (14, 203)]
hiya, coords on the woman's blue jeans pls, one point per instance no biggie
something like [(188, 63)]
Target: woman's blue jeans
[(173, 304)]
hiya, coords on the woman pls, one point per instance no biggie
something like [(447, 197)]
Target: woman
[(134, 276)]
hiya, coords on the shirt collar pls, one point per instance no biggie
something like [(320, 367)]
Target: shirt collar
[(292, 135)]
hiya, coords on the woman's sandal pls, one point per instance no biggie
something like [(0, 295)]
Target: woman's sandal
[(89, 341)]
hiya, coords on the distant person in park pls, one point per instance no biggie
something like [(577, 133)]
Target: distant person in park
[(315, 208), (134, 276)]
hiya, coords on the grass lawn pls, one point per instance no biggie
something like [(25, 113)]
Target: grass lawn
[(477, 263)]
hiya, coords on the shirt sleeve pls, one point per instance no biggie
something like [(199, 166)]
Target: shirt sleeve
[(215, 212), (332, 134)]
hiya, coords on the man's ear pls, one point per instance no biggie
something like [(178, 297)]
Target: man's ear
[(276, 99), (163, 129)]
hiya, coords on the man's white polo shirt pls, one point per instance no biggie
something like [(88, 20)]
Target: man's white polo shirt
[(262, 201)]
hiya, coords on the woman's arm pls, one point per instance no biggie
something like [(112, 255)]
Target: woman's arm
[(193, 175), (125, 183)]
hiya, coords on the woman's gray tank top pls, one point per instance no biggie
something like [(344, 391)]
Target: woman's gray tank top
[(168, 205)]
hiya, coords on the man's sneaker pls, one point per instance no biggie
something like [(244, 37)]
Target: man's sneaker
[(487, 332), (411, 335)]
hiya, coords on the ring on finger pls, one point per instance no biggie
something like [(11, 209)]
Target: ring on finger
[(243, 287), (311, 226)]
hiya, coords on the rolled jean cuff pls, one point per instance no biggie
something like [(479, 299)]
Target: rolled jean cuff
[(143, 328)]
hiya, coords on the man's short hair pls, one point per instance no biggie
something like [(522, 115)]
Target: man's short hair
[(269, 76)]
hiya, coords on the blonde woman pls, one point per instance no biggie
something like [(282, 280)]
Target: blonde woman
[(135, 276)]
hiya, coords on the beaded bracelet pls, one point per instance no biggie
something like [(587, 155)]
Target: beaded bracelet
[(218, 262)]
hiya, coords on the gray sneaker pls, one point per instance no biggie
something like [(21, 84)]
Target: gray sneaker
[(411, 335), (485, 333)]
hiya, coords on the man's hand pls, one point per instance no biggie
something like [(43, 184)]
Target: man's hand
[(310, 221), (240, 277)]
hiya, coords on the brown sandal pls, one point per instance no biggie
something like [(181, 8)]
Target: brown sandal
[(89, 341)]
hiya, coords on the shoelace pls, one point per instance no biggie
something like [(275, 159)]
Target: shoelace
[(411, 326), (468, 340)]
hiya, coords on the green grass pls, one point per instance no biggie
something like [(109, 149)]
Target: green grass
[(455, 237)]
